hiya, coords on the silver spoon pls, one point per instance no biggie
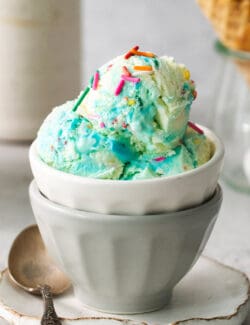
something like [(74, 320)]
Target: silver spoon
[(31, 268)]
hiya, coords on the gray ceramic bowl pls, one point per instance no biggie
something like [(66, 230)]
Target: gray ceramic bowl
[(124, 264)]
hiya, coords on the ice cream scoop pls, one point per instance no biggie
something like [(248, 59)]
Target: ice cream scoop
[(131, 122), (144, 100)]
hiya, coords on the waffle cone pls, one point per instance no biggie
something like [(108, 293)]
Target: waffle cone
[(231, 21)]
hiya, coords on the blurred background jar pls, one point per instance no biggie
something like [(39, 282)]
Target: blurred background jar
[(231, 117), (39, 62)]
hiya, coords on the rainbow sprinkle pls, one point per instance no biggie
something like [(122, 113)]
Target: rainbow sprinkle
[(147, 54), (81, 98), (125, 71), (186, 74), (130, 52), (195, 127), (91, 81), (102, 125), (158, 159), (131, 102), (130, 79), (143, 67), (195, 94), (134, 51), (119, 87), (96, 80)]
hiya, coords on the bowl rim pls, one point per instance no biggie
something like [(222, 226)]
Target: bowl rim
[(219, 151), (213, 202)]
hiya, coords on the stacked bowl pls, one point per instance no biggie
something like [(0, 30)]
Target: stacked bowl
[(126, 244)]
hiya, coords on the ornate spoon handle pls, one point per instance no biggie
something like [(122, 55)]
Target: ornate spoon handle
[(49, 315)]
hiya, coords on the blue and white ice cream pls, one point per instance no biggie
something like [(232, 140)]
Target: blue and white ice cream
[(131, 122)]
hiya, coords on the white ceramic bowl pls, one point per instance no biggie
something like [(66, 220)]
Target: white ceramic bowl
[(121, 263), (138, 197)]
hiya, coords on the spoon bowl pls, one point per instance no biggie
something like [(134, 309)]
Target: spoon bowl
[(32, 269), (30, 265)]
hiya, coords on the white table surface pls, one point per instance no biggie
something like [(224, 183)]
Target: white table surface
[(229, 243)]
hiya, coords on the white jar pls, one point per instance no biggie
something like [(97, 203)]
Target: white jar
[(39, 62)]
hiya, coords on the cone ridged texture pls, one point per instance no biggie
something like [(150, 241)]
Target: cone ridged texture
[(231, 21)]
